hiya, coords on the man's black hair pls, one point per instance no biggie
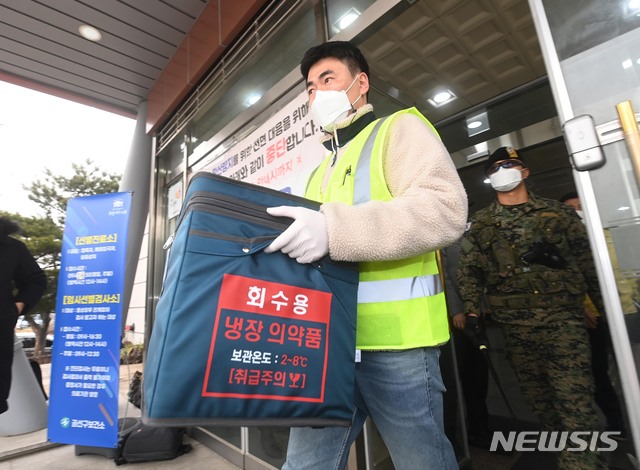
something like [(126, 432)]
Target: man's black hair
[(571, 195), (8, 226), (341, 50)]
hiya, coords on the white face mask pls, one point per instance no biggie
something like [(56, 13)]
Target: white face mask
[(505, 179), (581, 215), (330, 106)]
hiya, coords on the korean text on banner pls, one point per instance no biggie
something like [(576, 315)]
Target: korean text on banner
[(280, 154), (85, 364)]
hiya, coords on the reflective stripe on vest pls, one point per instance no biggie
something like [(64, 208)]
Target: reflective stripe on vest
[(393, 290), (362, 180)]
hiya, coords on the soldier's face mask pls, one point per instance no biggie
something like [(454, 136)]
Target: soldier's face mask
[(505, 179), (330, 106)]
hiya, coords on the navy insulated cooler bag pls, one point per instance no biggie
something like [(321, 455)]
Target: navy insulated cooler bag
[(243, 337)]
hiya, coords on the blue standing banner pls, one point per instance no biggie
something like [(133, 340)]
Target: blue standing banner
[(83, 404)]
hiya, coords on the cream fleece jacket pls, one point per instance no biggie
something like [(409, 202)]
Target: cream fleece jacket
[(429, 206)]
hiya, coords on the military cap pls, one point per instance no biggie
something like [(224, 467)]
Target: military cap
[(503, 153)]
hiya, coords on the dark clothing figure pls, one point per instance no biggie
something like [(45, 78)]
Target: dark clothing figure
[(22, 283), (474, 378), (599, 337), (534, 260), (606, 396), (472, 366)]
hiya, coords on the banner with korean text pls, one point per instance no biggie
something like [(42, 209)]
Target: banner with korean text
[(85, 366), (280, 154)]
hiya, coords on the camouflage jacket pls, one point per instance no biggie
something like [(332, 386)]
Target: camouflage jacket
[(494, 254)]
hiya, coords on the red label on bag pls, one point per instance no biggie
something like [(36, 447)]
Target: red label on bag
[(269, 341)]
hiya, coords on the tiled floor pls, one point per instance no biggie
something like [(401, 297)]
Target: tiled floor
[(64, 458), (31, 451)]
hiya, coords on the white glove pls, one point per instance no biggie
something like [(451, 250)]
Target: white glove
[(306, 239)]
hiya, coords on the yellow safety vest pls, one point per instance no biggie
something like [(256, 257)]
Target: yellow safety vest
[(401, 303)]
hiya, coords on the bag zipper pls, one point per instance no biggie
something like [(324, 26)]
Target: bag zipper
[(225, 205)]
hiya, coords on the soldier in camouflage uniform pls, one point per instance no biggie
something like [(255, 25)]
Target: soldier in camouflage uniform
[(531, 256)]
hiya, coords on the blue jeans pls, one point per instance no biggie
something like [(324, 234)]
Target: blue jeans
[(402, 392)]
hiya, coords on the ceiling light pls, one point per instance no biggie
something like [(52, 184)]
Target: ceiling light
[(477, 123), (632, 8), (253, 99), (442, 98), (90, 33), (627, 64), (480, 150), (624, 208), (345, 20), (486, 181)]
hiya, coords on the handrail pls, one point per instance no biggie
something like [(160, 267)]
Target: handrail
[(631, 135)]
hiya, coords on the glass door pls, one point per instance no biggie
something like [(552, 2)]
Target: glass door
[(592, 57)]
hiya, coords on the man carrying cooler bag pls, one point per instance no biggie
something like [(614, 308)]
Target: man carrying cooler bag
[(390, 198)]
